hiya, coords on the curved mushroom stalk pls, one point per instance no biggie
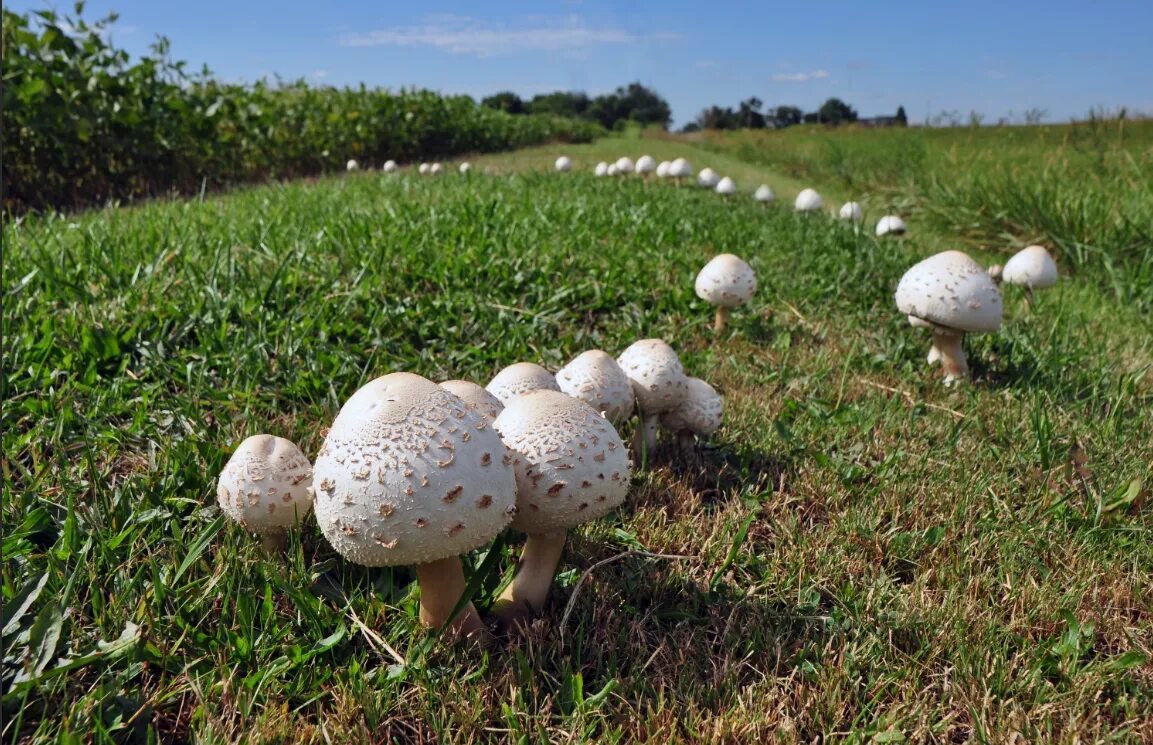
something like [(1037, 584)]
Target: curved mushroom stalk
[(441, 587), (527, 594), (722, 319), (934, 355), (274, 542), (952, 353)]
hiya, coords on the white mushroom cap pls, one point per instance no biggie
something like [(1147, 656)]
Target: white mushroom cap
[(564, 164), (699, 413), (918, 323), (646, 164), (266, 486), (707, 178), (595, 378), (851, 211), (612, 170), (726, 281), (475, 397), (520, 378), (352, 165), (571, 465), (409, 475), (624, 164), (434, 169), (890, 224), (390, 166), (1032, 267), (423, 169), (663, 169), (764, 194), (809, 201), (726, 186), (658, 378), (601, 169), (680, 168), (950, 289), (465, 167)]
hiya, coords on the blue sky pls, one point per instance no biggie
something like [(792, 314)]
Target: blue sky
[(1063, 56)]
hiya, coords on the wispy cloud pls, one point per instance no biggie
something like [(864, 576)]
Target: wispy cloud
[(471, 36), (800, 77)]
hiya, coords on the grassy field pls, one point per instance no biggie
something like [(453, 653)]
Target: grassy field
[(865, 555)]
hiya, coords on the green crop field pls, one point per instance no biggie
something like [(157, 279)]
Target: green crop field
[(860, 554)]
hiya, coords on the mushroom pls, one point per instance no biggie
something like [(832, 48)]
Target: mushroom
[(520, 378), (726, 282), (352, 165), (595, 378), (624, 164), (934, 355), (612, 170), (389, 166), (408, 475), (890, 225), (602, 169), (465, 167), (707, 178), (663, 169), (956, 296), (564, 164), (995, 273), (1032, 268), (646, 164), (474, 397), (266, 486), (726, 187), (764, 194), (423, 169), (851, 211), (699, 414), (659, 382), (434, 169), (808, 201), (571, 467), (680, 169)]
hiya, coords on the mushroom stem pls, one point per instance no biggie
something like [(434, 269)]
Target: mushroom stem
[(441, 587), (952, 354), (527, 593), (645, 437), (1028, 298), (934, 353), (722, 319), (274, 542), (687, 441)]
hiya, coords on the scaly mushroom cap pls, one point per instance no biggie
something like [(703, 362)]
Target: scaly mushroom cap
[(680, 168), (601, 169), (890, 224), (595, 378), (700, 412), (563, 164), (950, 289), (624, 164), (663, 169), (409, 475), (571, 465), (646, 164), (851, 211), (707, 178), (726, 186), (352, 165), (658, 378), (726, 281), (1032, 267), (519, 379), (465, 167), (808, 201), (475, 397), (266, 486), (390, 166), (764, 194)]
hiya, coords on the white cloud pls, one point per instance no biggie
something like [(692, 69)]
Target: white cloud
[(470, 36), (319, 74), (800, 77)]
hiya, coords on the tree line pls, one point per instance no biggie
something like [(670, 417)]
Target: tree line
[(629, 103), (749, 115)]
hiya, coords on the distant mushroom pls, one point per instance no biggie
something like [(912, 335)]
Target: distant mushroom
[(351, 165), (624, 165), (612, 170), (659, 382), (563, 164), (434, 169), (1032, 268), (699, 415), (390, 166), (465, 167), (571, 467), (680, 169), (808, 201), (764, 194), (851, 211), (726, 187), (408, 475), (956, 296), (520, 378), (266, 486), (646, 164), (423, 169), (475, 397), (707, 178), (726, 282), (890, 225), (663, 169), (602, 169), (595, 378)]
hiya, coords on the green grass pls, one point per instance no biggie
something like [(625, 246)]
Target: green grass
[(865, 552)]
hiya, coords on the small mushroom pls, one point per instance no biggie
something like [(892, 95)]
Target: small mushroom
[(351, 165), (995, 273), (475, 398), (266, 486), (851, 211), (624, 165), (612, 170), (726, 187), (465, 167), (389, 166), (808, 201), (1032, 268), (423, 169), (956, 296), (563, 164), (890, 225), (595, 378), (434, 169), (764, 194), (663, 169), (602, 169), (408, 475), (659, 382), (520, 378), (699, 415), (680, 169), (726, 282), (571, 467), (707, 178), (646, 164)]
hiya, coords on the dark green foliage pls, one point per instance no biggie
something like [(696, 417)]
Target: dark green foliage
[(836, 111), (505, 101)]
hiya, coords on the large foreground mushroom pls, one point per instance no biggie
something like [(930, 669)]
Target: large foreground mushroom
[(408, 475), (571, 467), (726, 282), (954, 295), (266, 486)]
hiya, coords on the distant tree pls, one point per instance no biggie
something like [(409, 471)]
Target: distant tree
[(812, 117), (505, 101), (645, 105), (785, 116), (691, 127), (714, 117), (749, 114), (1035, 115), (976, 118), (836, 111), (561, 103), (902, 119)]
